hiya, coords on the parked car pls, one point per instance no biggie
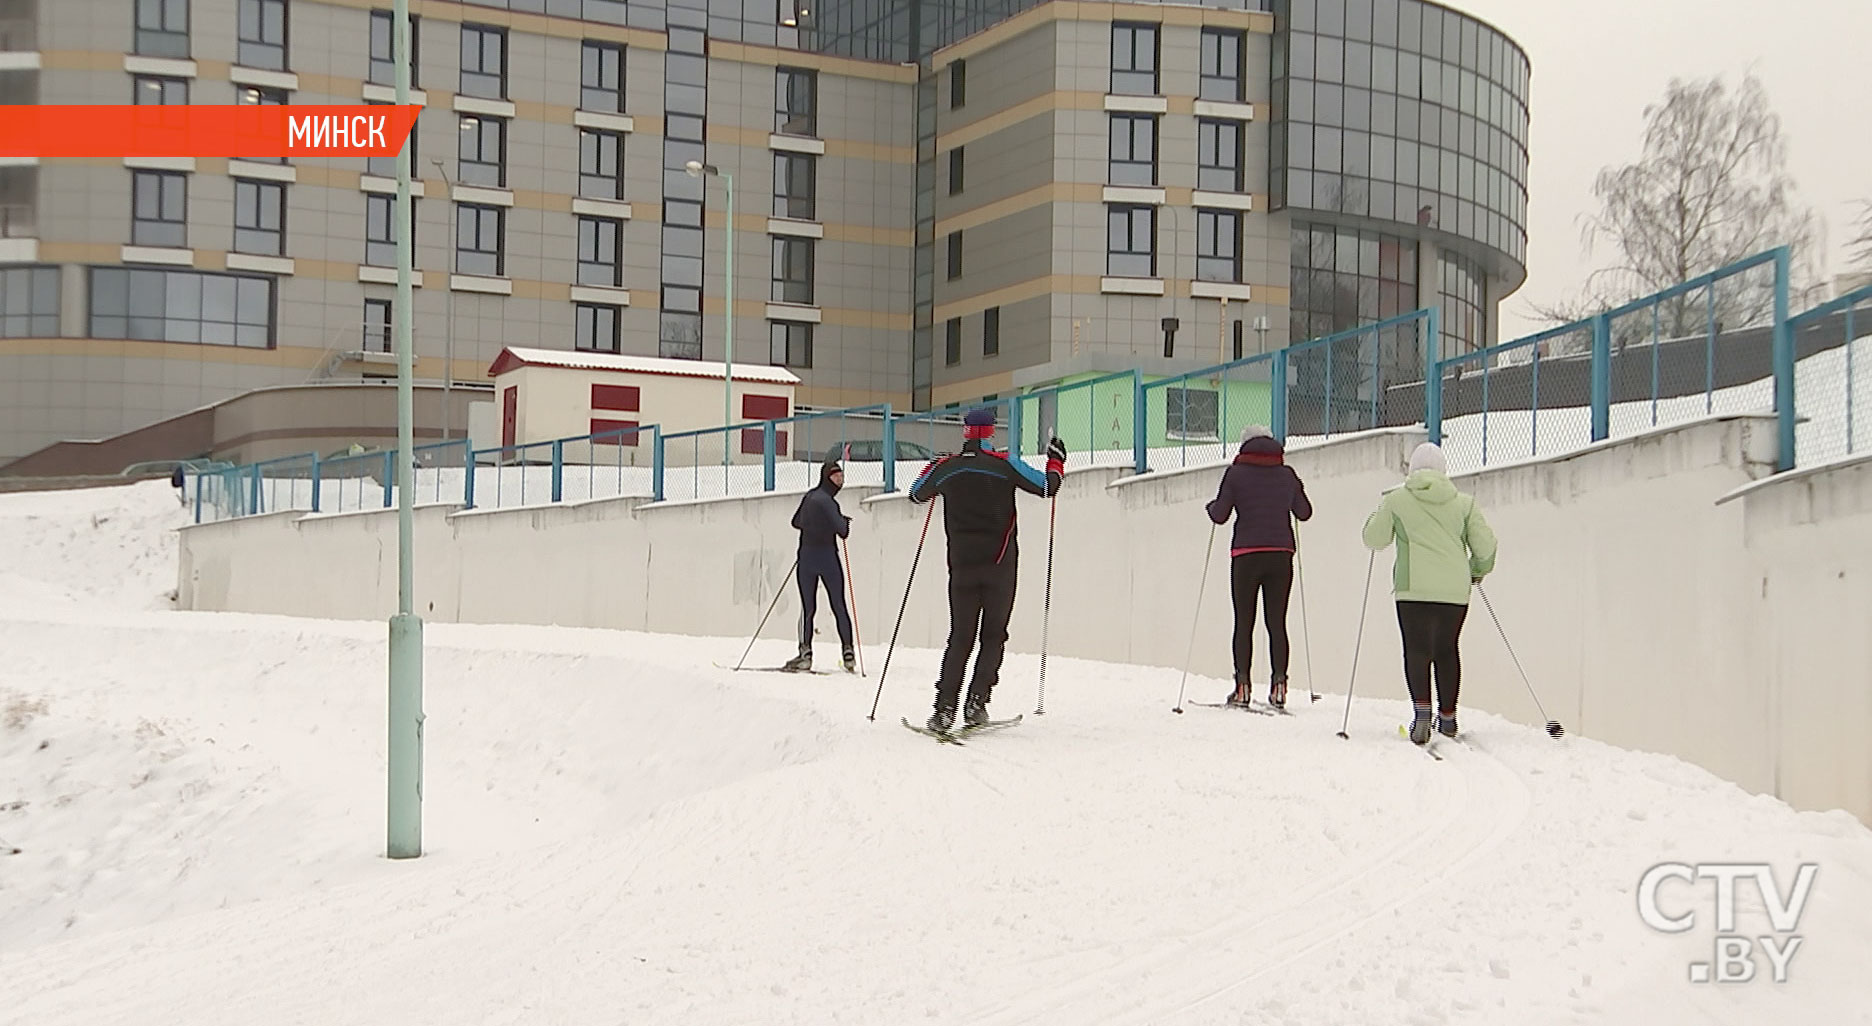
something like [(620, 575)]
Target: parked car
[(872, 451)]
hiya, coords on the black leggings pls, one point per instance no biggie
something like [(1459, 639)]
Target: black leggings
[(1270, 574), (1430, 631)]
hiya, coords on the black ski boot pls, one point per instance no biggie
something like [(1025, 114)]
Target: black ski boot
[(975, 713), (850, 661), (1277, 692), (1242, 693), (1446, 725), (799, 663), (942, 721), (1420, 726)]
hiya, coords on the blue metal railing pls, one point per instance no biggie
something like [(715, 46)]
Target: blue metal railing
[(1829, 423), (1643, 364)]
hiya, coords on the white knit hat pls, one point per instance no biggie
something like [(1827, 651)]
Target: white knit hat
[(1428, 457), (1256, 431)]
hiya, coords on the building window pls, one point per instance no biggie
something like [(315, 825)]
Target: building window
[(162, 28), (377, 329), (1134, 59), (1133, 149), (254, 96), (598, 262), (991, 331), (1218, 245), (259, 218), (599, 165), (601, 77), (1131, 241), (484, 62), (789, 344), (385, 167), (597, 328), (181, 306), (795, 186), (483, 152), (479, 234), (796, 102), (958, 84), (1465, 318), (159, 208), (380, 239), (955, 255), (952, 341), (1192, 413), (1221, 66), (1237, 335), (679, 334), (955, 171), (29, 302), (792, 270), (1219, 156), (383, 48), (261, 40), (147, 89)]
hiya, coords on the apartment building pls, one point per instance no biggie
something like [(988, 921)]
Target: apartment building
[(932, 202)]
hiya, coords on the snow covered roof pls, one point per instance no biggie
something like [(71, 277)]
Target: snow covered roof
[(514, 357)]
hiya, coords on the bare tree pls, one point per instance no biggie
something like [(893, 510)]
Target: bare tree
[(1861, 245), (1711, 188)]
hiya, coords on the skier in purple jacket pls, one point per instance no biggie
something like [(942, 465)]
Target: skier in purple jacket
[(1266, 496)]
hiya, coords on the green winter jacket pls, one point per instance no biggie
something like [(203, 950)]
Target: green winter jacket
[(1442, 541)]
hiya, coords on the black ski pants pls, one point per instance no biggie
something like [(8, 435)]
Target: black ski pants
[(817, 565), (981, 599), (1430, 631), (1271, 575)]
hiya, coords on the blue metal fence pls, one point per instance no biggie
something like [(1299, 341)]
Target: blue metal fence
[(1669, 357), (1721, 342)]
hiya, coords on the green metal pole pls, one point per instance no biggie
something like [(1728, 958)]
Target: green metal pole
[(406, 717), (728, 345)]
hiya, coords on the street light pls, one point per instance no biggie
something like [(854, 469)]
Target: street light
[(697, 169), (448, 343)]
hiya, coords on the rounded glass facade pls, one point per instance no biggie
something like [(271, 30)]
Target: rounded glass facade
[(1402, 111)]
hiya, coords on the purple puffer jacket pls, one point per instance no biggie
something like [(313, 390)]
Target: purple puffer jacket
[(1261, 490)]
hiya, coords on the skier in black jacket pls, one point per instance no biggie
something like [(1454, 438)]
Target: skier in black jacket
[(821, 524), (978, 520)]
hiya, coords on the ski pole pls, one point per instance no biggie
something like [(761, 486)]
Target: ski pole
[(851, 589), (1554, 729), (914, 560), (1046, 606), (1357, 643), (1190, 653), (1306, 633), (770, 608)]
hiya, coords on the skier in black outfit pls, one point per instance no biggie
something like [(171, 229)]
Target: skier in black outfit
[(821, 524), (978, 520)]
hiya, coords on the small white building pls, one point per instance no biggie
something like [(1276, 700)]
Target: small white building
[(544, 394)]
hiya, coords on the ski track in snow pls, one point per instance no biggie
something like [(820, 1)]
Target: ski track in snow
[(618, 832)]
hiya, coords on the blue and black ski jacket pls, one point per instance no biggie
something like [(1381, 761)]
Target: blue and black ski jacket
[(978, 516)]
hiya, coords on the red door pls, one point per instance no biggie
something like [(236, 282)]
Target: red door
[(510, 415)]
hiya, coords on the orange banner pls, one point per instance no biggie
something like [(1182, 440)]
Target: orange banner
[(337, 130)]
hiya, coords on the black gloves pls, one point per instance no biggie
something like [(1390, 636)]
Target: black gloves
[(1056, 451)]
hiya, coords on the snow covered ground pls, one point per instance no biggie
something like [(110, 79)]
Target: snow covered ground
[(619, 832)]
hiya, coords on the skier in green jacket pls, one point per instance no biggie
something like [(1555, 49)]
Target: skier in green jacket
[(1444, 546)]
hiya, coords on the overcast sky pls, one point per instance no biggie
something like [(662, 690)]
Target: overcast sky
[(1597, 63)]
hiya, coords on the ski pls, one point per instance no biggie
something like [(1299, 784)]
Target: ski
[(1258, 710), (948, 739), (990, 727), (778, 669)]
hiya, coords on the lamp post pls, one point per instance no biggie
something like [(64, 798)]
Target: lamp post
[(404, 830), (697, 169), (448, 343)]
